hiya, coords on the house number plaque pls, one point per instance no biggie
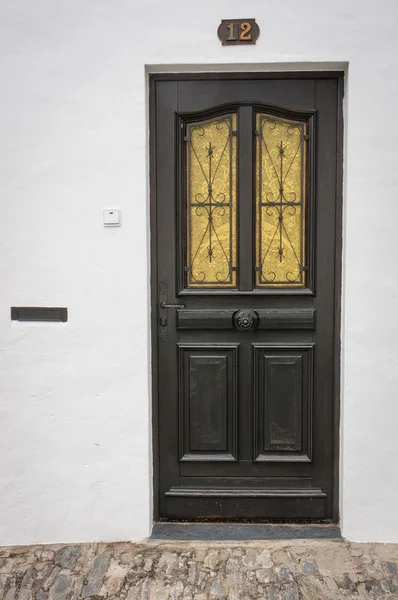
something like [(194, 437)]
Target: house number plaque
[(238, 31)]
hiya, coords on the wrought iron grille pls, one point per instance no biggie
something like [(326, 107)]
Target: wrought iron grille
[(281, 198), (211, 203)]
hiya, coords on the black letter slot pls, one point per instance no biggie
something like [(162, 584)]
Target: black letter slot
[(39, 313)]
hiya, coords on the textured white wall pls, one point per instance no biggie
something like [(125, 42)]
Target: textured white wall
[(75, 398)]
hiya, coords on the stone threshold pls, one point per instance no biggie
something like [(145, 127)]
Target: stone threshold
[(241, 532)]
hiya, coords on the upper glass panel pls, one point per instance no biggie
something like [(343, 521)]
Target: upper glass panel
[(211, 203), (280, 202)]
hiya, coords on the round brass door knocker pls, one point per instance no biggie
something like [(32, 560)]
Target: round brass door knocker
[(245, 320)]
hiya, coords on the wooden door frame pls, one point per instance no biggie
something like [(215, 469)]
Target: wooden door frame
[(153, 79)]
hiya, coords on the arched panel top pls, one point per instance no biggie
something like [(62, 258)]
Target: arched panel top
[(282, 112)]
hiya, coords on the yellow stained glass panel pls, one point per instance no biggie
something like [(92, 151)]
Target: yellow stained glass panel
[(211, 203), (280, 202)]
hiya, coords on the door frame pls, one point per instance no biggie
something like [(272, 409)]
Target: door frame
[(153, 79)]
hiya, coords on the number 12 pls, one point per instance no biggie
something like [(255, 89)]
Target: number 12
[(244, 36)]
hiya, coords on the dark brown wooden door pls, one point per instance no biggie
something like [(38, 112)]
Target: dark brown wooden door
[(245, 203)]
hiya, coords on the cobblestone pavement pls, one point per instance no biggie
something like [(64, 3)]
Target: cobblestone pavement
[(274, 570)]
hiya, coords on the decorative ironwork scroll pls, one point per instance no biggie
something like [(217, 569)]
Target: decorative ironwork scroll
[(211, 203), (281, 202)]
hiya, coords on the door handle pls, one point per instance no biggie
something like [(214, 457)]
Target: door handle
[(164, 305)]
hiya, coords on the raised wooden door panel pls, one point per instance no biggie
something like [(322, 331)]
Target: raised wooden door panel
[(244, 209), (283, 403), (208, 403)]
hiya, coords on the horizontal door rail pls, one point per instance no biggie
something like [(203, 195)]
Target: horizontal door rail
[(245, 492), (273, 318)]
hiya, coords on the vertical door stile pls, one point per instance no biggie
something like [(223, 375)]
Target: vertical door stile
[(245, 198), (166, 246)]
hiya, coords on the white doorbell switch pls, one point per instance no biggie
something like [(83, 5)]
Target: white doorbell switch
[(111, 217)]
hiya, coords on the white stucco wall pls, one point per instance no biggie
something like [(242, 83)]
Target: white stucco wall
[(75, 457)]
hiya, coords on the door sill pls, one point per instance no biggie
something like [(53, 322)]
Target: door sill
[(241, 532)]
